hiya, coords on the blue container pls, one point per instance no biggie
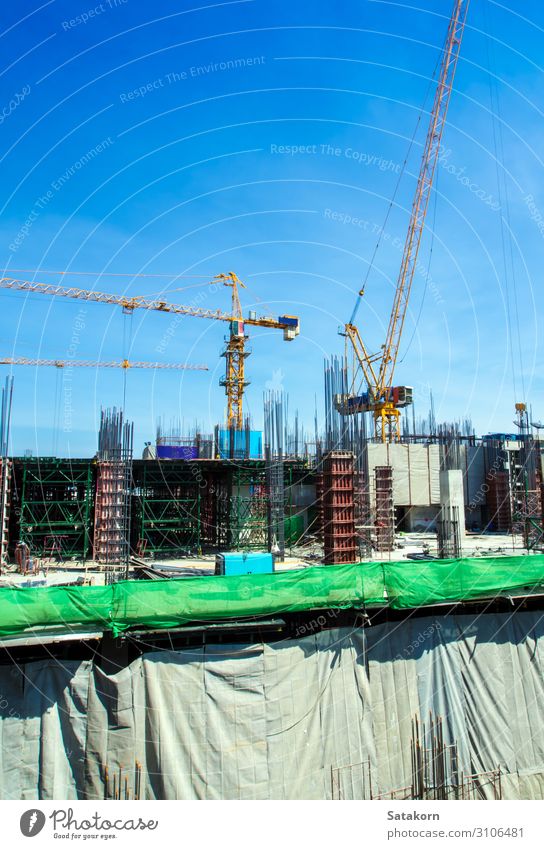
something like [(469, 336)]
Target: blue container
[(177, 452), (244, 563), (503, 437), (237, 441)]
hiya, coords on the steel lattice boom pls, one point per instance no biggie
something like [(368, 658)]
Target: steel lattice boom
[(125, 364), (140, 302), (384, 400)]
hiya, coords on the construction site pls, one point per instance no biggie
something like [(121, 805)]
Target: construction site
[(340, 499), (341, 604)]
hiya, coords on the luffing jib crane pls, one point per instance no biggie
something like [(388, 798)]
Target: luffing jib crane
[(383, 399), (235, 352)]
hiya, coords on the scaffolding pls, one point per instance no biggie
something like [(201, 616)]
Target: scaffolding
[(274, 429), (319, 520), (363, 520), (385, 511), (113, 487), (276, 507), (182, 508), (5, 470), (248, 508), (53, 500), (167, 509), (527, 493)]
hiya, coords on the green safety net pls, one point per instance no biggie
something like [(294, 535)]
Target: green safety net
[(172, 603), (294, 529)]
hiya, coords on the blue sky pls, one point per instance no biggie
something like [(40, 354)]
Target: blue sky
[(266, 139)]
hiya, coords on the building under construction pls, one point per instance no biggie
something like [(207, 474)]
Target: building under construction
[(342, 496)]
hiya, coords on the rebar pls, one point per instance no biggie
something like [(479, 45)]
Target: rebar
[(113, 488), (274, 435)]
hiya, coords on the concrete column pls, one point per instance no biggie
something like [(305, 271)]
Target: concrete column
[(452, 495), (451, 527)]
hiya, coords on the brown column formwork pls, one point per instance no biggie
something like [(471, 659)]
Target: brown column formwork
[(499, 502), (112, 497), (340, 539), (319, 521)]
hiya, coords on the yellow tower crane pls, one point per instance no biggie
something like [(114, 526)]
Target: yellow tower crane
[(382, 398), (235, 353)]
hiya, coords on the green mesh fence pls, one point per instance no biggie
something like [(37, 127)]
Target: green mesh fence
[(171, 603), (294, 529)]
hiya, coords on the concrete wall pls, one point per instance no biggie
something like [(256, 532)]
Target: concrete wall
[(416, 471), (416, 480)]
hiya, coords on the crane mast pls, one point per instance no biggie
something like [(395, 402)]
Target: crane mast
[(235, 354), (382, 399)]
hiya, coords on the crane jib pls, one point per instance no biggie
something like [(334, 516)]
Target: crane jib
[(235, 353)]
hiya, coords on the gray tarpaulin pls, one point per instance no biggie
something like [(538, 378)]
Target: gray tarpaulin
[(324, 716)]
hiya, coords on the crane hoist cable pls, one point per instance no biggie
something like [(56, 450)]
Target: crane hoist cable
[(108, 274), (56, 413), (422, 111), (394, 195), (506, 237), (128, 320), (427, 274)]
